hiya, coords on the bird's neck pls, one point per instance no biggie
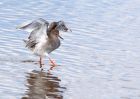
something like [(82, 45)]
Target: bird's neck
[(53, 34)]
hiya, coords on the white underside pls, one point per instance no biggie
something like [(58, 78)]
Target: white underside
[(42, 48)]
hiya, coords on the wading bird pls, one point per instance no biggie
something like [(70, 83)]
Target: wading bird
[(44, 37)]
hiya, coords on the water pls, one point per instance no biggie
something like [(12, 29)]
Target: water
[(99, 60), (42, 85)]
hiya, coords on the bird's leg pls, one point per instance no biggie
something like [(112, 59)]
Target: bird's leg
[(52, 62), (40, 62)]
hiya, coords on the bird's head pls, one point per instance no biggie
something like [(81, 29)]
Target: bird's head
[(61, 26), (57, 26)]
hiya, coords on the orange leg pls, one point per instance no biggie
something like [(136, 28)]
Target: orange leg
[(52, 62)]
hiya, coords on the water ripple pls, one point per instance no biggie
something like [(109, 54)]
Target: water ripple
[(101, 55)]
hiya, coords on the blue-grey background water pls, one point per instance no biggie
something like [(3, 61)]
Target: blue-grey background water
[(100, 59)]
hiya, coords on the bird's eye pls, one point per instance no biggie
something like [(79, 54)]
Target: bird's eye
[(56, 33)]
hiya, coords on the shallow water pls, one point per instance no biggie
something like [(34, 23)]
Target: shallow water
[(99, 60)]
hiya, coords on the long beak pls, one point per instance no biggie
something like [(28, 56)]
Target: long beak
[(60, 37), (70, 30)]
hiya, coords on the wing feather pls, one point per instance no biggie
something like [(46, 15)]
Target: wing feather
[(38, 31)]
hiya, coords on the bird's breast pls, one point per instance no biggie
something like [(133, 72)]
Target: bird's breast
[(52, 45)]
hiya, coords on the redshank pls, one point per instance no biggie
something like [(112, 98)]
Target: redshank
[(44, 37)]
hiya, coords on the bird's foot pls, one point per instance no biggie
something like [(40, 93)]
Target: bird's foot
[(42, 69), (41, 65), (52, 63)]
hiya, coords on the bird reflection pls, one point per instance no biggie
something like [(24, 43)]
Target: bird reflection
[(42, 85)]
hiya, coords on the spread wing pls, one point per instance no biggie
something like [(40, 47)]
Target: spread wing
[(29, 26), (37, 30)]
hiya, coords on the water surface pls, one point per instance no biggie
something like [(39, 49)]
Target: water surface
[(100, 59)]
